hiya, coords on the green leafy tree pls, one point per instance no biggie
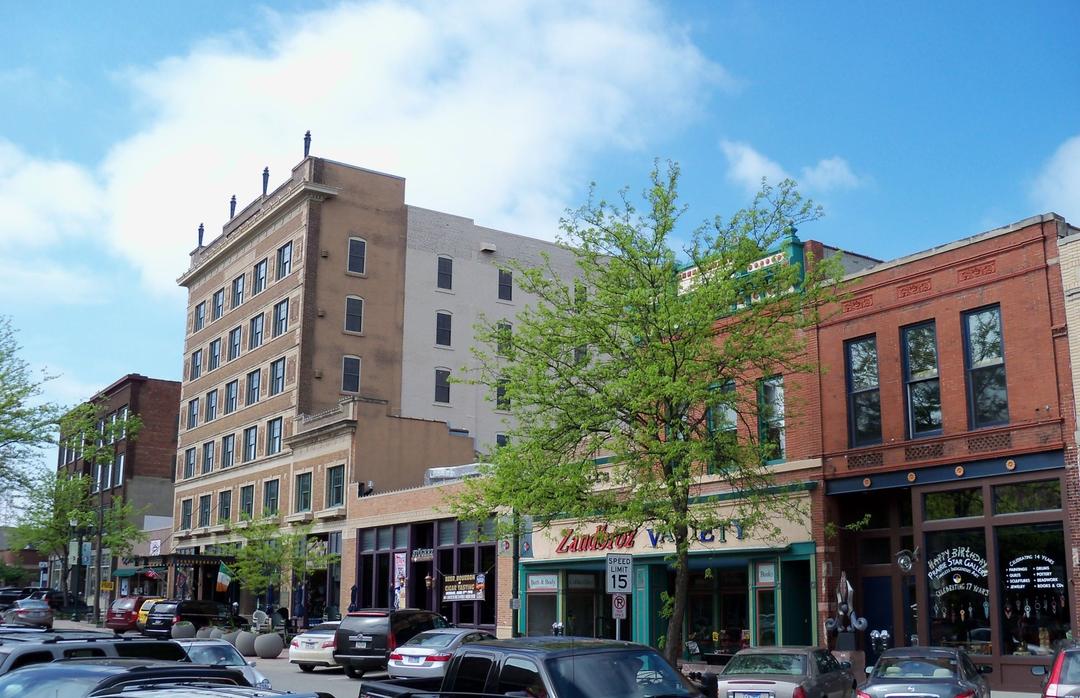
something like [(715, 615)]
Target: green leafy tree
[(26, 422), (270, 555), (653, 371), (12, 574)]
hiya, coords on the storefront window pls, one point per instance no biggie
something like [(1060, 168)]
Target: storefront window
[(959, 598), (446, 533), (766, 617), (1034, 597), (1027, 496), (385, 537), (954, 504)]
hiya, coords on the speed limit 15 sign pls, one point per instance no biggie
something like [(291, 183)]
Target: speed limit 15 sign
[(620, 572)]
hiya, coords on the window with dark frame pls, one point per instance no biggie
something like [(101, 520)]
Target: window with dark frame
[(335, 486), (253, 380), (771, 432), (504, 332), (502, 400), (445, 275), (303, 492), (207, 457), (277, 376), (864, 395), (193, 413), (189, 463), (921, 381), (228, 450), (232, 391), (350, 374), (354, 314), (211, 405), (273, 436), (722, 419), (215, 355), (506, 285), (357, 256), (196, 364), (284, 260), (238, 290), (217, 305), (234, 343), (247, 500), (270, 497), (281, 318), (255, 332), (258, 278), (251, 443), (442, 385), (984, 360), (185, 515), (200, 317), (224, 506), (442, 329), (502, 440)]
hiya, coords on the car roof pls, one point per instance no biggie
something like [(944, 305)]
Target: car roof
[(100, 666), (385, 611), (190, 689), (797, 649), (202, 641), (451, 631), (556, 645), (920, 652)]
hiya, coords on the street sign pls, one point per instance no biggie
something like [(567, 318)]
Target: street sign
[(106, 586), (618, 606), (620, 571)]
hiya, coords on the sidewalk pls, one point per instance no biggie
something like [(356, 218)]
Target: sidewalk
[(81, 625)]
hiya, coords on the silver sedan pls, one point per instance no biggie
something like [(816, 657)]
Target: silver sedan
[(29, 612), (426, 654), (786, 672)]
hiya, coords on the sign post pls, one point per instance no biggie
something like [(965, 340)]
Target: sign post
[(618, 576)]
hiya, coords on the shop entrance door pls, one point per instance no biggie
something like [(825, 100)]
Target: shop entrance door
[(877, 601), (795, 608)]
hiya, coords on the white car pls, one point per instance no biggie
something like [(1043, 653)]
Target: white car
[(314, 647), (221, 653), (426, 654)]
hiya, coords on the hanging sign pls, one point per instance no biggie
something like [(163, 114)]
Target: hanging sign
[(464, 587)]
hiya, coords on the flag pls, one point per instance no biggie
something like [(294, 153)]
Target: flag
[(151, 574), (224, 578)]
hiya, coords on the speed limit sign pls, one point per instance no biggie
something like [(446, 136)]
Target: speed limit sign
[(620, 569), (618, 606)]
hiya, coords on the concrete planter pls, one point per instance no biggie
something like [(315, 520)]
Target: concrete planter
[(230, 637), (216, 633), (245, 643), (269, 645), (183, 630), (203, 632)]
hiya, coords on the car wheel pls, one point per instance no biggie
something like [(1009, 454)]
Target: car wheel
[(307, 668), (353, 672)]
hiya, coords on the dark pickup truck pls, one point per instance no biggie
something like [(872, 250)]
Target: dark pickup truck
[(549, 667)]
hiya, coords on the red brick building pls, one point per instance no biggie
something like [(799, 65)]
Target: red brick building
[(948, 449)]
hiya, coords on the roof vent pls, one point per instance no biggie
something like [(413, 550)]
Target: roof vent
[(488, 247)]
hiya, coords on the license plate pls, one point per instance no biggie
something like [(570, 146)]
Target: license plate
[(310, 645), (361, 645), (749, 694), (414, 660)]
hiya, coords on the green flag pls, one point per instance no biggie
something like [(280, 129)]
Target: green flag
[(224, 578)]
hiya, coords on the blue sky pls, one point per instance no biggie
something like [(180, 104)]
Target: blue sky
[(127, 124)]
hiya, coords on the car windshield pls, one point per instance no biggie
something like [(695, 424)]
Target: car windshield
[(123, 604), (215, 655), (32, 603), (780, 663), (323, 629), (433, 640), (39, 684), (906, 668), (626, 674), (164, 608)]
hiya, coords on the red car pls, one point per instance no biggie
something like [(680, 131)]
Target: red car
[(123, 613)]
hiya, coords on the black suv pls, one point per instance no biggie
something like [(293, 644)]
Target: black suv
[(164, 614), (365, 638), (85, 677)]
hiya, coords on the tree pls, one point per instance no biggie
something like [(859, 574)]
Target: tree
[(653, 371), (269, 555), (12, 574), (26, 423)]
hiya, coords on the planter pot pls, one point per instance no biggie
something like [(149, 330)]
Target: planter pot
[(269, 645), (183, 630), (203, 632), (245, 643), (216, 633), (230, 637)]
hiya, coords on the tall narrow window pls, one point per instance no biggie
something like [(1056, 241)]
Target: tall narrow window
[(988, 398), (204, 510), (273, 436), (504, 336), (354, 314), (247, 500), (864, 397), (442, 385), (357, 256), (200, 317), (442, 329), (350, 374), (445, 276), (228, 450), (234, 343), (238, 291), (251, 442), (502, 399), (232, 390), (277, 376), (270, 497), (303, 492), (281, 318), (502, 440), (196, 364), (118, 470), (258, 278), (193, 413), (217, 305), (921, 379), (211, 405), (224, 506), (771, 416), (189, 463), (207, 457), (185, 515), (255, 332), (215, 355), (253, 380), (721, 420), (335, 486), (506, 285), (284, 260)]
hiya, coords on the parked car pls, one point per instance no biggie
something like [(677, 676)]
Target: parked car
[(85, 677), (193, 690), (54, 598), (144, 611), (29, 612), (786, 672), (550, 666), (1064, 676), (123, 614), (926, 671), (220, 653), (428, 653), (22, 649), (365, 638), (9, 595), (314, 647), (199, 613)]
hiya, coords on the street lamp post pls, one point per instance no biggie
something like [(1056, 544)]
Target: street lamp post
[(78, 532)]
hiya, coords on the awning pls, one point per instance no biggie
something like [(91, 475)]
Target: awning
[(126, 572)]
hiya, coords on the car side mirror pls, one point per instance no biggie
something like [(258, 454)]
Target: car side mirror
[(845, 665), (1038, 671), (869, 670), (251, 663), (985, 669)]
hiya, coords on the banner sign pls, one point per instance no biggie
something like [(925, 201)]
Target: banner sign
[(464, 587)]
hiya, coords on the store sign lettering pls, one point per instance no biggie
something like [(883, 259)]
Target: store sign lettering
[(948, 568), (601, 539), (657, 539)]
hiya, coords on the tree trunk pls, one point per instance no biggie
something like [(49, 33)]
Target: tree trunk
[(673, 641), (64, 579)]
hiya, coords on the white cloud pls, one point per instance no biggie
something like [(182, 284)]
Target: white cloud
[(490, 110), (1057, 187), (747, 166), (39, 282)]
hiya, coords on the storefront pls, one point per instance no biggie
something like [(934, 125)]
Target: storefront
[(743, 590), (970, 556), (444, 565)]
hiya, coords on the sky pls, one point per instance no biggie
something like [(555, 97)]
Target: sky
[(127, 124)]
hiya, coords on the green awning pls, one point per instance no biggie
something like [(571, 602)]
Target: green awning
[(126, 572)]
